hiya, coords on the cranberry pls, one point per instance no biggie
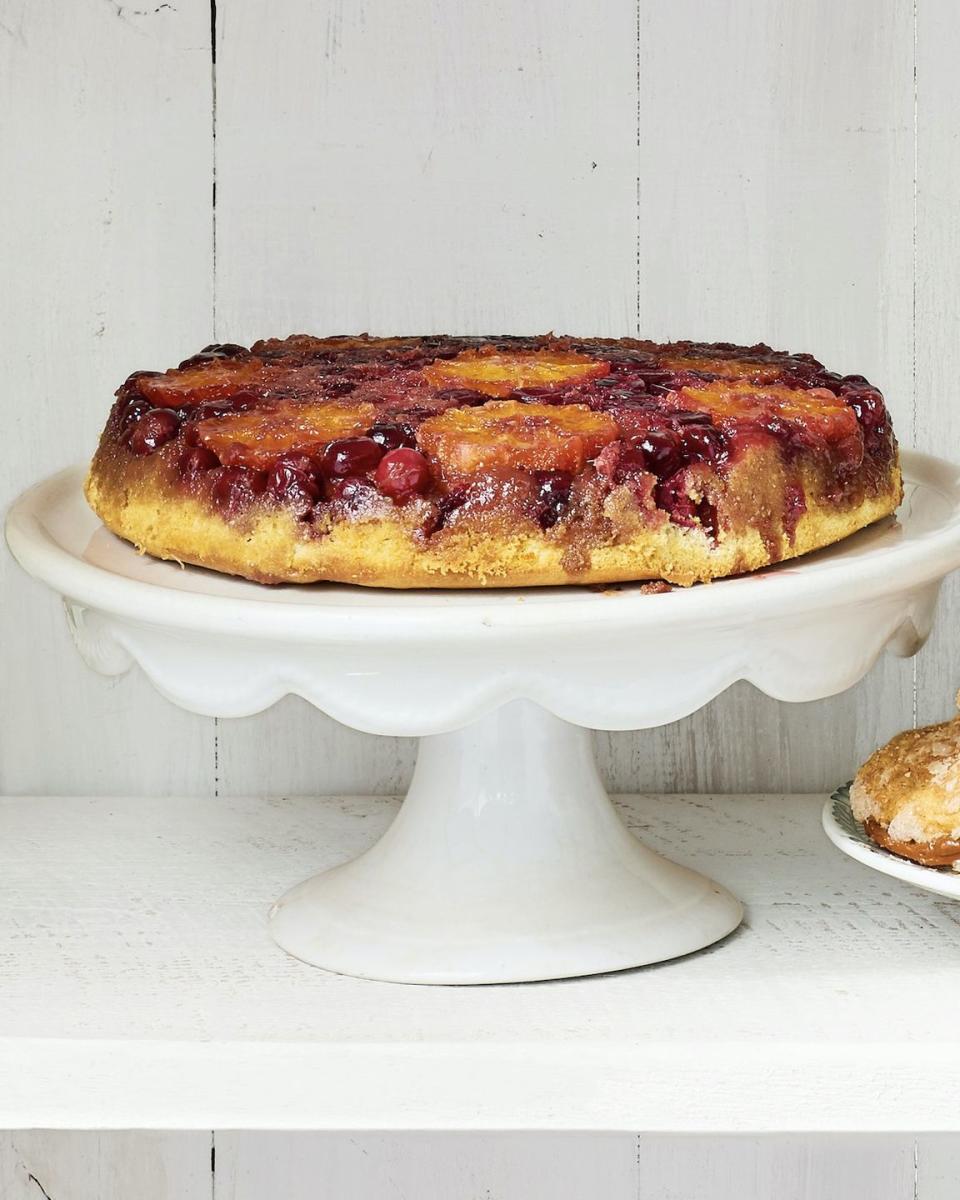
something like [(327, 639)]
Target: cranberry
[(292, 480), (129, 389), (403, 473), (869, 407), (462, 397), (132, 411), (214, 353), (612, 401), (338, 387), (153, 430), (355, 491), (671, 495), (446, 507), (553, 495), (707, 516), (620, 383), (237, 402), (393, 436), (236, 487), (197, 460), (701, 443), (350, 456), (661, 449), (682, 417)]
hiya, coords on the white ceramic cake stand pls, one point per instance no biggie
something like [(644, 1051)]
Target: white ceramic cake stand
[(507, 862)]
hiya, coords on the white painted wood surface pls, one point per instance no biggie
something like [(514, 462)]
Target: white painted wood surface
[(508, 1166), (761, 169), (114, 1165), (91, 1165), (105, 257), (134, 945)]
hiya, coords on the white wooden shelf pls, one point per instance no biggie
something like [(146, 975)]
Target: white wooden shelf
[(139, 987)]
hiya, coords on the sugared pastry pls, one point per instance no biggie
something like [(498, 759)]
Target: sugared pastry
[(492, 462), (907, 795)]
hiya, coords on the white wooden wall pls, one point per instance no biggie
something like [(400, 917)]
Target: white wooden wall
[(481, 1166), (744, 169)]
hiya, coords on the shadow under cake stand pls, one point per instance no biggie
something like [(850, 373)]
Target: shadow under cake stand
[(507, 861)]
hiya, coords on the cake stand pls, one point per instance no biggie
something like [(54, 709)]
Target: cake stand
[(507, 861)]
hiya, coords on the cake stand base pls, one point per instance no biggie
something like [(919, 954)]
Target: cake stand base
[(507, 862)]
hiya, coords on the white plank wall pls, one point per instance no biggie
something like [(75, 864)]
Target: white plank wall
[(743, 170), (755, 168), (121, 1165), (483, 1166), (105, 262)]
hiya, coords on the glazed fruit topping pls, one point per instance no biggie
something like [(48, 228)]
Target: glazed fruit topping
[(210, 380), (510, 434), (196, 460), (393, 436), (402, 474), (235, 488), (293, 479), (496, 373), (752, 370), (350, 456), (795, 416), (553, 496), (259, 437), (153, 430)]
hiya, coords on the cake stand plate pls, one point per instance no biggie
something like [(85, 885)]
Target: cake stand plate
[(508, 861), (848, 835)]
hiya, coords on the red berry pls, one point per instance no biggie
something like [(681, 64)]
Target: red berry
[(196, 460), (350, 456), (403, 473), (154, 428), (236, 487)]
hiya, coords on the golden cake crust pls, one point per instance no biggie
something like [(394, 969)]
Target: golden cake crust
[(907, 794), (775, 468)]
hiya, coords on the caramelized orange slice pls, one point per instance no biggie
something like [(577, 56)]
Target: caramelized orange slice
[(258, 437), (534, 437), (496, 373), (209, 381), (725, 368), (818, 410)]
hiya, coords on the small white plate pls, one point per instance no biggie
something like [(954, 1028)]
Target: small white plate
[(848, 835)]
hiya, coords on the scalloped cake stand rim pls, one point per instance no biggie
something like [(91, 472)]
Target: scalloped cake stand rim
[(879, 561)]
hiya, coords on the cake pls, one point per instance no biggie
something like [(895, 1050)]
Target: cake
[(446, 462), (907, 795)]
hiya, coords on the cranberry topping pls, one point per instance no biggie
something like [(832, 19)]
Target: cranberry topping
[(293, 481), (446, 507), (403, 473), (194, 461), (393, 436), (153, 430), (215, 351), (129, 390), (701, 443), (350, 456), (236, 487), (131, 413), (354, 491), (553, 495), (795, 505), (461, 397)]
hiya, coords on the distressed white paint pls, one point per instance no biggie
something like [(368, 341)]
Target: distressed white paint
[(429, 165), (106, 263), (780, 1168), (508, 1166), (114, 1165), (134, 945)]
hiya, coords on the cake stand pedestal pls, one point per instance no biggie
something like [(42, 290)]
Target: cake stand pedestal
[(508, 861)]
